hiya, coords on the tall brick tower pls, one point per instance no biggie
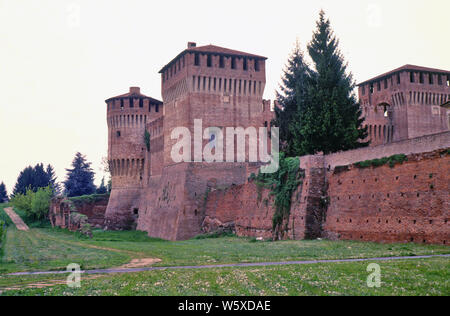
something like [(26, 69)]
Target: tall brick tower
[(223, 88), (405, 103), (127, 116)]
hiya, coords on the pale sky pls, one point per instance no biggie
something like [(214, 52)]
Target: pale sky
[(60, 59)]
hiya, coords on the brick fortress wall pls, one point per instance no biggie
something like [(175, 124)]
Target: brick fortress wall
[(402, 204)]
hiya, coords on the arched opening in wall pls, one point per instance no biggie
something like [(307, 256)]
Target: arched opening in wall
[(135, 211)]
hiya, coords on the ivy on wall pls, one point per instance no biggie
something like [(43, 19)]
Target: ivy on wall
[(283, 184)]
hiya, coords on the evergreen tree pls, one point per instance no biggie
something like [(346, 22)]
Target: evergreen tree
[(292, 99), (51, 176), (3, 193), (80, 179), (332, 120), (102, 189)]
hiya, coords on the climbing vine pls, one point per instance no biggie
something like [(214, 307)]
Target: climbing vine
[(283, 184), (147, 140)]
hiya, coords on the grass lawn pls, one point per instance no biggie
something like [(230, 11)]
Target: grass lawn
[(417, 277), (43, 249)]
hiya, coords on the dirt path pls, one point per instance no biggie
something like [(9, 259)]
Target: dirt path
[(16, 219)]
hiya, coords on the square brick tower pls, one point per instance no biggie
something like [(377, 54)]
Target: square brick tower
[(223, 88), (407, 102)]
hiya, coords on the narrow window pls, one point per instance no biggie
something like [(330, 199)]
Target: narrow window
[(385, 83), (363, 90), (131, 103), (421, 77), (256, 65), (233, 62), (411, 77), (197, 59), (371, 88), (439, 80), (209, 61), (141, 103), (157, 108), (430, 78), (378, 86), (245, 67), (398, 78), (221, 62), (118, 133)]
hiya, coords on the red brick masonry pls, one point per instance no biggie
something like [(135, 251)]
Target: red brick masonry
[(407, 203)]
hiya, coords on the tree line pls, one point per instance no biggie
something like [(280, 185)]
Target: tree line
[(79, 181)]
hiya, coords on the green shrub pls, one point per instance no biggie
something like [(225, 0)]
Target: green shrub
[(2, 231), (40, 203), (34, 205), (391, 161), (23, 201)]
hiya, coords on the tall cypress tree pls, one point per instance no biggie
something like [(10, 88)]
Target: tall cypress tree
[(80, 179), (292, 98), (3, 193), (332, 120)]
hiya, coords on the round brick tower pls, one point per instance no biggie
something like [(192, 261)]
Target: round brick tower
[(127, 116)]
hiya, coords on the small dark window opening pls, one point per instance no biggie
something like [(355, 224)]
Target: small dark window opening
[(421, 77), (256, 65), (221, 62), (371, 88), (378, 86), (385, 83), (157, 108), (121, 104), (430, 78), (245, 67), (439, 80), (118, 133), (209, 61), (136, 211), (363, 90), (196, 212), (411, 77), (141, 103), (197, 60), (233, 63), (131, 103)]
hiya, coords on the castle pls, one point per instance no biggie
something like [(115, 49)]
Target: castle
[(220, 86), (406, 112)]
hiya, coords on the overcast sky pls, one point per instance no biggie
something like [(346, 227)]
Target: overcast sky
[(60, 59)]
